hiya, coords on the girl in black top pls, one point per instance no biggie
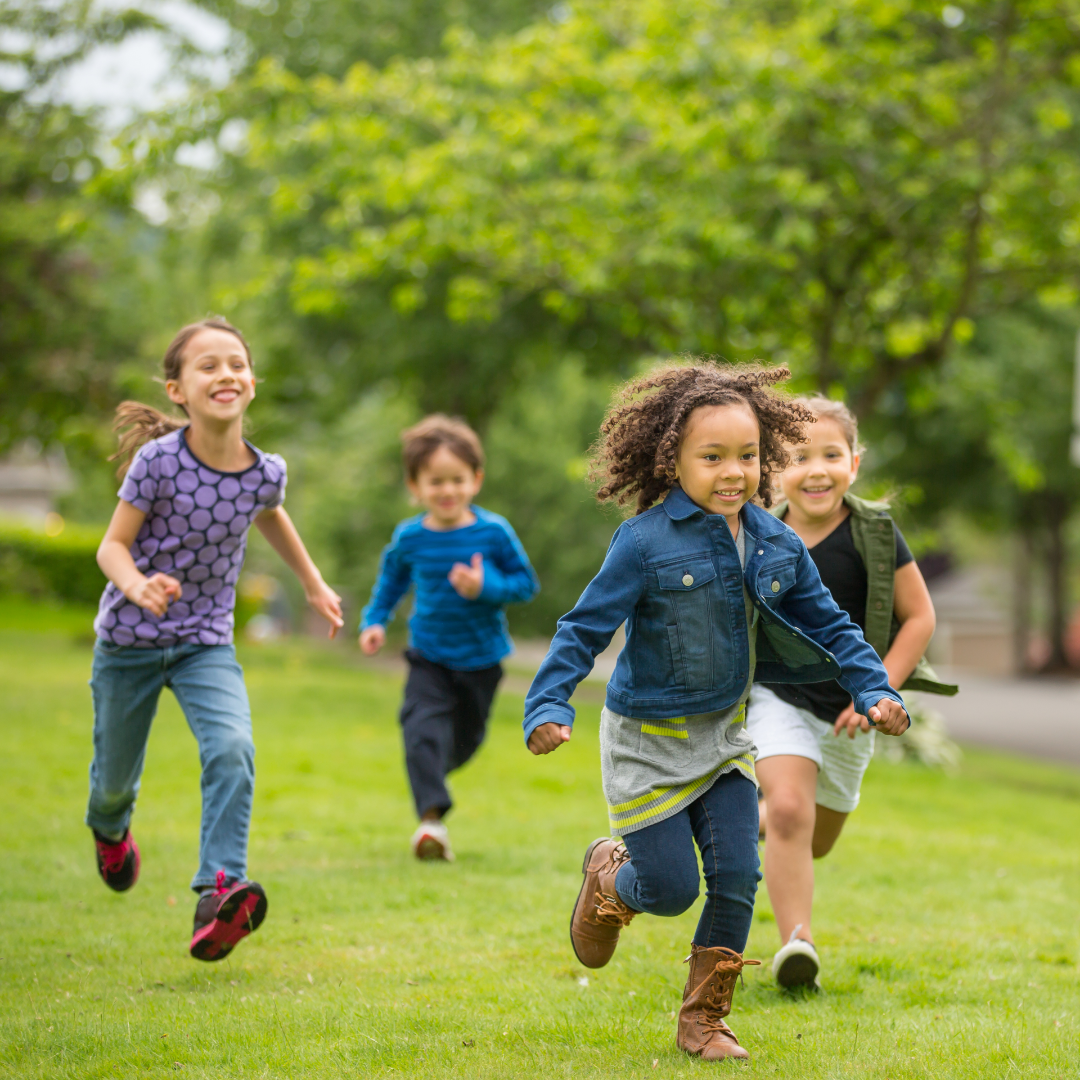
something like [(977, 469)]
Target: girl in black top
[(813, 748)]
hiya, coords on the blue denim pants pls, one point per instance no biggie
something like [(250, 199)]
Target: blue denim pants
[(209, 685), (661, 877)]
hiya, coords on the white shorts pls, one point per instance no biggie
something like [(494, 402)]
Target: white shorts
[(779, 728)]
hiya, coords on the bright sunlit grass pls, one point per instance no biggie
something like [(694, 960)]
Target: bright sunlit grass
[(947, 916)]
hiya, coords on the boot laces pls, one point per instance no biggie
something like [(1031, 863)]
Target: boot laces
[(113, 856), (717, 1002), (220, 887), (611, 911)]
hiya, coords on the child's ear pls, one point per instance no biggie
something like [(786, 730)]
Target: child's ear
[(414, 491), (855, 459), (479, 474), (172, 388)]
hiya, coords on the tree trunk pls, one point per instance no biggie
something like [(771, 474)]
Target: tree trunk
[(1057, 514), (1023, 559)]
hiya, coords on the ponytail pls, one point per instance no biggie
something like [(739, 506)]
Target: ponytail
[(135, 423)]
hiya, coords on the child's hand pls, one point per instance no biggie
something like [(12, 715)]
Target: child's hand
[(889, 716), (155, 593), (468, 580), (372, 639), (327, 603), (548, 737), (851, 722)]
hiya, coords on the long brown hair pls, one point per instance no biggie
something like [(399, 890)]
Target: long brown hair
[(634, 458), (136, 423)]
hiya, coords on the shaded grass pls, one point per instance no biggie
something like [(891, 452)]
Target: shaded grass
[(946, 916)]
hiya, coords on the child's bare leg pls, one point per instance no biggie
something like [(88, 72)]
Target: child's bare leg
[(827, 828), (790, 786)]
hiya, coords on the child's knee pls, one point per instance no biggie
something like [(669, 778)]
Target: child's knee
[(668, 894), (235, 751), (735, 883), (789, 814)]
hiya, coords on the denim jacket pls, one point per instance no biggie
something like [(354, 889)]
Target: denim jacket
[(673, 575)]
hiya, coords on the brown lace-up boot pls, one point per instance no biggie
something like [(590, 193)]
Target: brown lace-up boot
[(599, 914), (707, 1000)]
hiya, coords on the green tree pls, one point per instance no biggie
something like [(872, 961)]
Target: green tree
[(989, 437), (62, 331), (327, 37), (843, 186)]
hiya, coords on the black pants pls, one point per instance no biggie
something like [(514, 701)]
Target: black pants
[(443, 721)]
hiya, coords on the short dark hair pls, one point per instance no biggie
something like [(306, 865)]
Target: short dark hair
[(419, 442)]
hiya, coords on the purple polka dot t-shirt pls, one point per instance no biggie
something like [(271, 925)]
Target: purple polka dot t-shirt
[(196, 527)]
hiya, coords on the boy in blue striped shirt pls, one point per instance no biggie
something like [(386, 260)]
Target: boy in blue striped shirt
[(465, 565)]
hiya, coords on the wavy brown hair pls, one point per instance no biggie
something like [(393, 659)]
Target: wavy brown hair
[(136, 423), (635, 456)]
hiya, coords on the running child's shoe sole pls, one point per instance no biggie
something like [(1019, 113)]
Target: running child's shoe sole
[(240, 914), (429, 849), (797, 969)]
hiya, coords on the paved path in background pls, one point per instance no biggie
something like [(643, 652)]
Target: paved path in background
[(1039, 717)]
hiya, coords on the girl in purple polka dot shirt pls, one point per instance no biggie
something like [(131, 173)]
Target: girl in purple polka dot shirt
[(192, 487)]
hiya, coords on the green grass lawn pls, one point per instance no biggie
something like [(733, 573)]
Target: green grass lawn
[(947, 916)]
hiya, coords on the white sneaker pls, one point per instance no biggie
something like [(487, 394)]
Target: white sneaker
[(432, 841), (797, 963)]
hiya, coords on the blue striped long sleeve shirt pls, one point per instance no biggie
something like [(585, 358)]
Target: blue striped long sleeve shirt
[(445, 627)]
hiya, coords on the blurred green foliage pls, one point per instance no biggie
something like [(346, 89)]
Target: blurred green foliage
[(62, 567), (498, 209), (59, 332), (329, 36), (844, 187)]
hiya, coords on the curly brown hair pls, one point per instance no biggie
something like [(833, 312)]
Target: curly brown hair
[(640, 437)]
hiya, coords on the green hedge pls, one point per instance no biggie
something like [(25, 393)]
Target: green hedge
[(60, 567)]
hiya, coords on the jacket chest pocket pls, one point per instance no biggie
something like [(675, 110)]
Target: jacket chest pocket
[(774, 581), (692, 625)]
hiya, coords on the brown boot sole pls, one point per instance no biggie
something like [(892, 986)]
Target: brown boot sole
[(584, 866)]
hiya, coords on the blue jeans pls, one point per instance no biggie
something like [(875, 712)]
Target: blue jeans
[(209, 684), (661, 877)]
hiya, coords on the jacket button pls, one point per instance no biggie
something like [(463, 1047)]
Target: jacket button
[(688, 580), (881, 568), (776, 586), (878, 605), (760, 552)]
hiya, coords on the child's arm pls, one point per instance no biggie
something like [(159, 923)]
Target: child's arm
[(508, 577), (813, 610), (153, 593), (607, 602), (395, 576), (915, 612), (281, 534)]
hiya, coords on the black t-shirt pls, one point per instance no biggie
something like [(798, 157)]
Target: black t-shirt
[(843, 573)]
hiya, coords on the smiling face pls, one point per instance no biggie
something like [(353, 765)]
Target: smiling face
[(446, 486), (216, 384), (719, 462), (821, 472)]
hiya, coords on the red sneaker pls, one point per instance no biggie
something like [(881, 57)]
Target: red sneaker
[(117, 860), (226, 916)]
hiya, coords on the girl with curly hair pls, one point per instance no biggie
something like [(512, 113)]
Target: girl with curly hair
[(711, 588)]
